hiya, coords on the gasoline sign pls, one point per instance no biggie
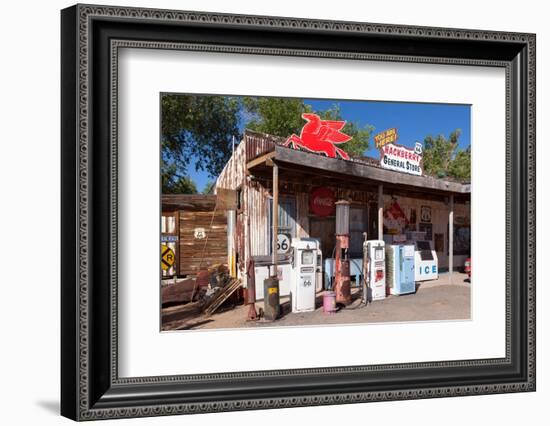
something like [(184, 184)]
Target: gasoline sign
[(167, 257)]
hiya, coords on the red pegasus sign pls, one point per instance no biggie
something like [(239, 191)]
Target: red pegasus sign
[(320, 136)]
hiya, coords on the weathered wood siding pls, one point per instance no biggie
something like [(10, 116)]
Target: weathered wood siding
[(197, 253), (193, 211)]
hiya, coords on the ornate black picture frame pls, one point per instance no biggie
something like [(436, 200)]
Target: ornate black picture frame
[(91, 37)]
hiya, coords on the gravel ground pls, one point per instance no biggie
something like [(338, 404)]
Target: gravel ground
[(434, 300)]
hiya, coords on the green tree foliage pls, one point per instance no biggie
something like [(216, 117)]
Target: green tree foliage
[(177, 185), (199, 130), (275, 116), (209, 187), (442, 156), (461, 165)]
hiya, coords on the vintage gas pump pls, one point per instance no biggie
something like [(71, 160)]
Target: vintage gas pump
[(342, 278), (374, 251), (306, 253)]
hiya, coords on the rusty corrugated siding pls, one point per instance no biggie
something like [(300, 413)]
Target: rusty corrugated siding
[(258, 144), (258, 197), (233, 174)]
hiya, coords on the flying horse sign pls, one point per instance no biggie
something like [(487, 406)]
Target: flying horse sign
[(320, 136), (402, 159)]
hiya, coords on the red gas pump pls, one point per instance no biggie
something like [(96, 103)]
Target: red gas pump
[(342, 286)]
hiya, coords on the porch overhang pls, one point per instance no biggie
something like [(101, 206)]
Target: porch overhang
[(319, 165)]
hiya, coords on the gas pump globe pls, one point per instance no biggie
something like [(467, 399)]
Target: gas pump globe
[(342, 286)]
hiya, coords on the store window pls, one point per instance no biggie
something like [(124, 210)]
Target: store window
[(287, 218)]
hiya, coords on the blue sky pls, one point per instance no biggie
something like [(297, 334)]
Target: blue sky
[(414, 121)]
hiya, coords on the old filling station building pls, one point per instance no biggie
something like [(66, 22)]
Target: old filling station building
[(386, 204)]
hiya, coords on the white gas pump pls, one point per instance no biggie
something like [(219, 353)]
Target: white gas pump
[(376, 273), (305, 273)]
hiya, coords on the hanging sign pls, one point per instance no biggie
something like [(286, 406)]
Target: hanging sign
[(320, 136), (385, 137), (402, 159), (322, 202)]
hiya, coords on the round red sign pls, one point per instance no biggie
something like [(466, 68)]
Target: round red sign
[(322, 201)]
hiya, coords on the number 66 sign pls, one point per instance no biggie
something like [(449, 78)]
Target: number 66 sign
[(283, 243)]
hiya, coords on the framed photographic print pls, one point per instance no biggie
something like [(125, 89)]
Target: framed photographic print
[(240, 198)]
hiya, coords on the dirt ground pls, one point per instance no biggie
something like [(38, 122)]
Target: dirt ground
[(434, 300)]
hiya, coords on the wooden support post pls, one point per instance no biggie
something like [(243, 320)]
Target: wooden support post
[(275, 217), (451, 234), (380, 212)]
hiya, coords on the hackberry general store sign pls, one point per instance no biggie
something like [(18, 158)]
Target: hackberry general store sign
[(402, 159)]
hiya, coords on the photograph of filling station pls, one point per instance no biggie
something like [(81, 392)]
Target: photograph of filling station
[(327, 222)]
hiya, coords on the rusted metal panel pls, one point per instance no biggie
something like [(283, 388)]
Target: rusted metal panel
[(258, 197), (259, 143), (233, 174)]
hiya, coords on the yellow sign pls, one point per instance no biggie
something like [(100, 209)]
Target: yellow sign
[(167, 258), (385, 137), (272, 290)]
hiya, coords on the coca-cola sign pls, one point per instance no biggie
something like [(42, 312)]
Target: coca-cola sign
[(322, 202)]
